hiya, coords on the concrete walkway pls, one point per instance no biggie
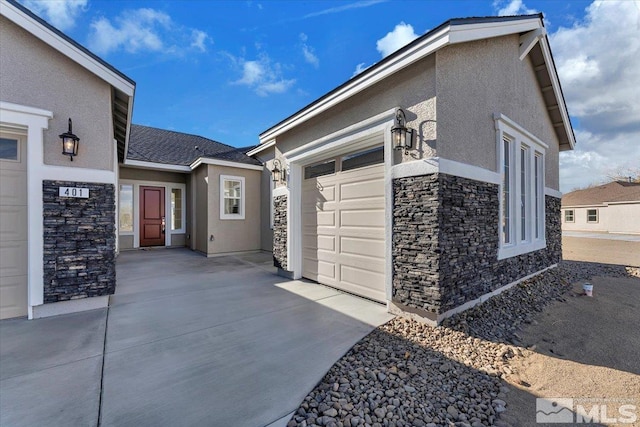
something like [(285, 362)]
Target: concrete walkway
[(189, 341)]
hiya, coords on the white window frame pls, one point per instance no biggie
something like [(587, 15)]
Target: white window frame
[(521, 141), (183, 205), (19, 143), (573, 215), (597, 220), (240, 215)]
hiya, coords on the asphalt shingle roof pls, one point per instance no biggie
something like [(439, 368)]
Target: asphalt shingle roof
[(176, 148), (617, 191)]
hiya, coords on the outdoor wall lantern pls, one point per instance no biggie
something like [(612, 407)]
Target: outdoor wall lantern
[(279, 173), (401, 136), (69, 143)]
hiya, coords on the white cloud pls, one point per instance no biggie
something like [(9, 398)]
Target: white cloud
[(60, 13), (359, 68), (307, 52), (144, 30), (394, 40), (199, 40), (513, 7), (597, 61), (262, 75)]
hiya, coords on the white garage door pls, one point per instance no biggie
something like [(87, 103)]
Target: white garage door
[(343, 224), (13, 226)]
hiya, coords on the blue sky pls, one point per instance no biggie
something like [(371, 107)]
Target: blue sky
[(229, 70)]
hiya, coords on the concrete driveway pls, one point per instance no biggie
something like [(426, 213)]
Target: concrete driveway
[(189, 341)]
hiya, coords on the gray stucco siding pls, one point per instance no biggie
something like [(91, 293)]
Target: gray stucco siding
[(413, 88), (60, 85), (477, 79)]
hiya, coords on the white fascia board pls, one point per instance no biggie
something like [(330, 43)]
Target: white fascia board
[(469, 32), (362, 82), (529, 40), (261, 147), (593, 205), (155, 166), (216, 162), (626, 202), (63, 46), (555, 83)]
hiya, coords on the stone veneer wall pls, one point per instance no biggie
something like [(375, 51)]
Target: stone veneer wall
[(280, 232), (79, 242), (445, 242)]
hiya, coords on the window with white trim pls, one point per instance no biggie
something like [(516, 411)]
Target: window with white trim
[(592, 215), (126, 209), (522, 216), (177, 209), (569, 216), (231, 197)]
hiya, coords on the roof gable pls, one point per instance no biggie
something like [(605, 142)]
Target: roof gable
[(124, 87), (460, 30), (617, 191)]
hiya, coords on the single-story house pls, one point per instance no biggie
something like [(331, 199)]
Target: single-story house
[(430, 180), (177, 189), (57, 211), (611, 208)]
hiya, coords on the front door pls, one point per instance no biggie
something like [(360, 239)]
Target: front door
[(152, 221)]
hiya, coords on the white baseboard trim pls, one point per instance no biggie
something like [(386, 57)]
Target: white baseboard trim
[(66, 307)]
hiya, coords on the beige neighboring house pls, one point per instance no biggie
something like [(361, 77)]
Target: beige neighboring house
[(430, 181), (609, 208), (57, 212)]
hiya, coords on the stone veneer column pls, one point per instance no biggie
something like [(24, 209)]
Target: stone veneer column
[(79, 242), (445, 243), (280, 232)]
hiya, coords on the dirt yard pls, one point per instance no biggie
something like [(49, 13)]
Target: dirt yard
[(601, 250), (586, 349)]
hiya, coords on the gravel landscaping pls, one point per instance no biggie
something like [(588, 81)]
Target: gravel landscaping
[(406, 373)]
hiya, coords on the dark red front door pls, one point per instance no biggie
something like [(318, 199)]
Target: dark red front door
[(152, 222)]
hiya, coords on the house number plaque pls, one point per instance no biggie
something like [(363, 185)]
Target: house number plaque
[(77, 192)]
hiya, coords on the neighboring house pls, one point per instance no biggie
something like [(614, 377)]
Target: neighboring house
[(611, 208), (57, 217), (178, 189), (468, 209)]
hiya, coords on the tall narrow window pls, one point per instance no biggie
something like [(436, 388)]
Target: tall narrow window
[(126, 208), (506, 219), (524, 192), (537, 165), (176, 209), (522, 215)]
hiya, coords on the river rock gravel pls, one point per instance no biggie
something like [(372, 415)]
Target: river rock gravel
[(406, 373)]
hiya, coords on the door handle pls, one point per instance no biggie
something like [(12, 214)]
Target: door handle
[(164, 225)]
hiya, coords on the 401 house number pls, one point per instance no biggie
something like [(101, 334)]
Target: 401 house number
[(77, 192)]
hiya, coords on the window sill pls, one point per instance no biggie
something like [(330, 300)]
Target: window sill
[(232, 217), (524, 248)]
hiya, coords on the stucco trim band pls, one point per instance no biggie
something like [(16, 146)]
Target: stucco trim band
[(553, 193), (450, 167)]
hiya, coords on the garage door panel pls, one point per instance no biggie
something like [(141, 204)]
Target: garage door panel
[(14, 258), (13, 223), (13, 296), (361, 281), (361, 218), (12, 188), (326, 219), (370, 189), (360, 246), (327, 269)]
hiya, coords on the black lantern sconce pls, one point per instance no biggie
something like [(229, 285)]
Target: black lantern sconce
[(401, 136), (278, 172), (69, 143)]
